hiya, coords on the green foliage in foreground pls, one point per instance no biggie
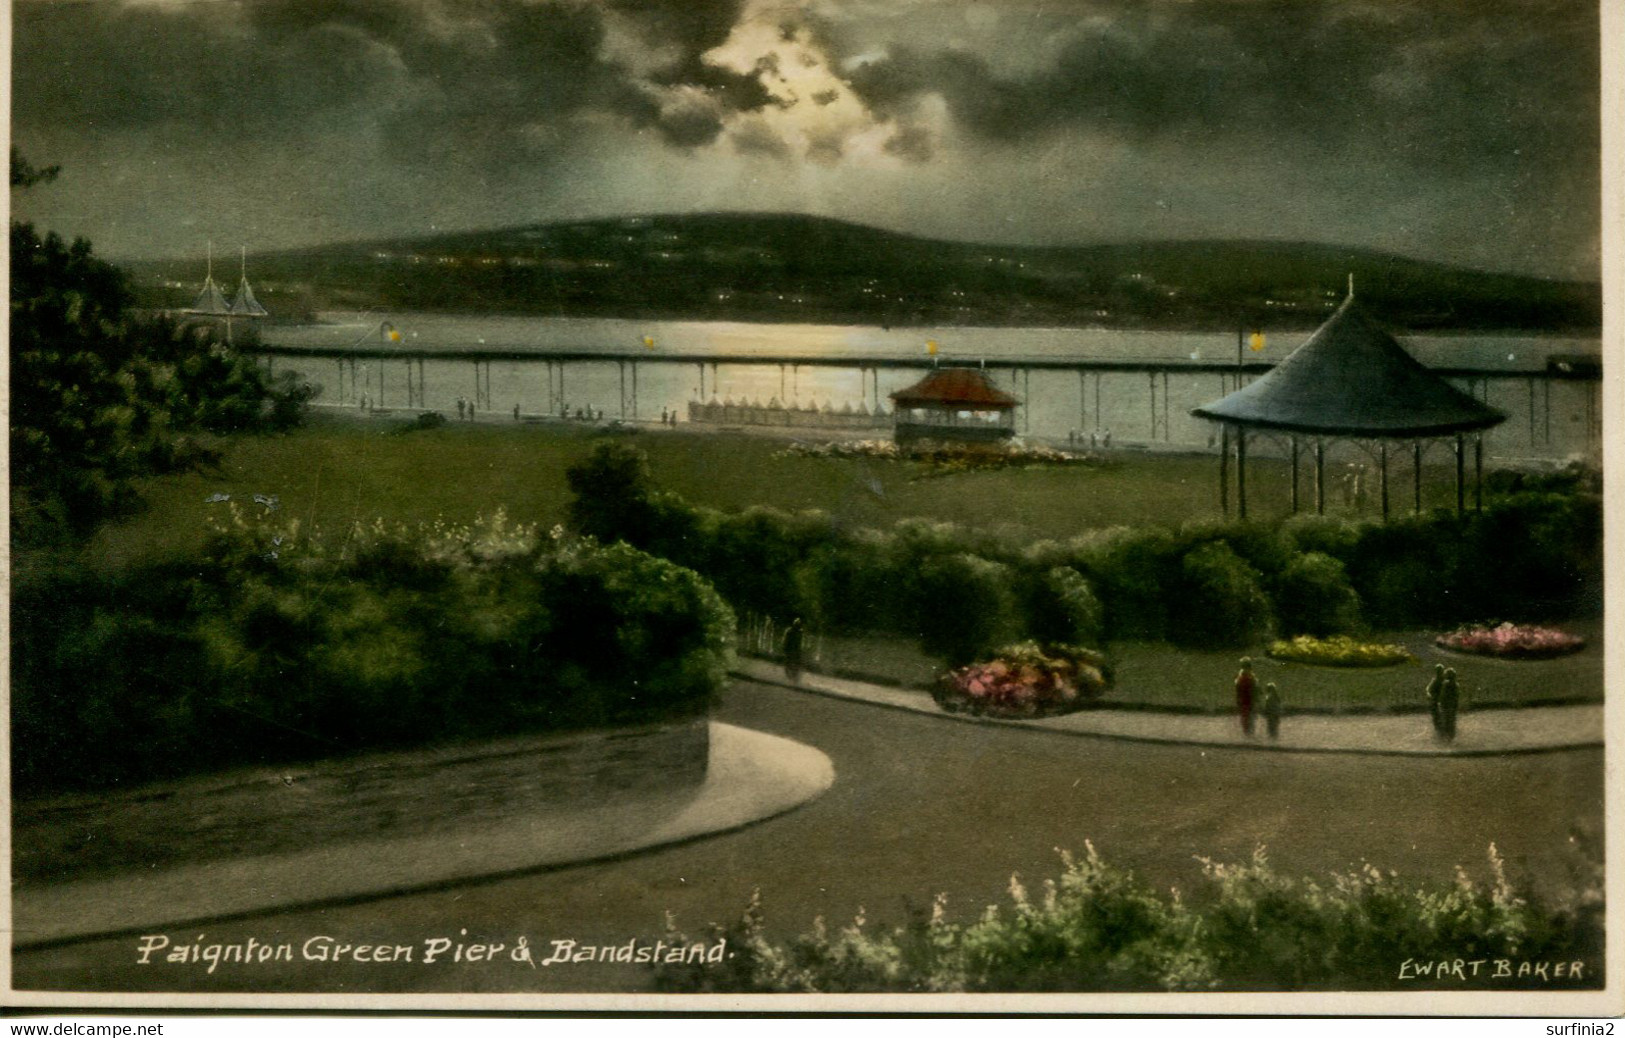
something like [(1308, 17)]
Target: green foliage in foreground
[(1243, 928), (284, 646)]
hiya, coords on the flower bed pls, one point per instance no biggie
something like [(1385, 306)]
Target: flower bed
[(1338, 651), (1025, 680), (1511, 641), (943, 458)]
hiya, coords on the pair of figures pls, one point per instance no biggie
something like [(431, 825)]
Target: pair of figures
[(1444, 699), (1246, 685)]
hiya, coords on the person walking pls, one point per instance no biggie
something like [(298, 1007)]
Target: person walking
[(462, 409), (1449, 703), (794, 644), (1245, 685), (1435, 687), (1272, 711)]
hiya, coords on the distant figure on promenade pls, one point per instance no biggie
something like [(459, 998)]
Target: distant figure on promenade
[(1272, 711), (1449, 703), (516, 412), (1094, 441), (794, 646), (1245, 685), (1435, 688), (462, 408), (1107, 442), (663, 416)]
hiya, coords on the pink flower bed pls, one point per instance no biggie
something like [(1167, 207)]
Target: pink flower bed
[(1025, 681), (1511, 641)]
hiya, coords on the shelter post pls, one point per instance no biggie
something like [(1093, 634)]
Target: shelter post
[(1224, 468)]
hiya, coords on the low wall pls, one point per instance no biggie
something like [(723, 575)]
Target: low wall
[(390, 794)]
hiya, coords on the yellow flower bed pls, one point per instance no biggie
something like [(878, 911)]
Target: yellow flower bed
[(1338, 651)]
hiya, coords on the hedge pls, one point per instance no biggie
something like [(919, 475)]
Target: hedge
[(281, 646), (1208, 583)]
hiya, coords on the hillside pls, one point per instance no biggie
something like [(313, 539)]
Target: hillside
[(763, 267)]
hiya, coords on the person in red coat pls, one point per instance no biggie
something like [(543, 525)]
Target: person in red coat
[(1245, 684)]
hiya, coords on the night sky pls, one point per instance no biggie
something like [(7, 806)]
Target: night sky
[(1458, 130)]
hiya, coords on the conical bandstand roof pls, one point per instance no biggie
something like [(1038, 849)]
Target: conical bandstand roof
[(1351, 378)]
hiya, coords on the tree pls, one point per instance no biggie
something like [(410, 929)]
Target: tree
[(102, 396)]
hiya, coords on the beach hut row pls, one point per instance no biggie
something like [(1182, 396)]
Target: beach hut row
[(775, 413)]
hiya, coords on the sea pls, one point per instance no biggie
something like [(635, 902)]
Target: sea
[(1548, 420)]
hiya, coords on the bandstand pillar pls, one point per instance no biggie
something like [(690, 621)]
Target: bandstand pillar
[(1241, 472), (1320, 477)]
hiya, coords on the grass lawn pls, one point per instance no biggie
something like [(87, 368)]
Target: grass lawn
[(344, 468)]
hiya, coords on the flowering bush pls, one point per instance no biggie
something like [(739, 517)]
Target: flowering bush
[(1339, 651), (1247, 927), (885, 449), (1025, 680), (1511, 641)]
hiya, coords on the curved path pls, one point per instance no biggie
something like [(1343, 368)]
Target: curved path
[(919, 807), (1495, 732)]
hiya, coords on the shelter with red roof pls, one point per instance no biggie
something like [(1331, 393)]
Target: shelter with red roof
[(954, 404)]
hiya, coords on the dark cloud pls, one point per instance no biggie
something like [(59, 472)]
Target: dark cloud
[(1435, 83), (754, 138), (470, 77)]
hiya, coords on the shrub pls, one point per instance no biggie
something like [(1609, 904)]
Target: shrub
[(1244, 928), (754, 558), (1307, 532), (850, 583), (285, 646), (1131, 570), (1062, 608), (1313, 596), (1407, 571), (964, 605), (1338, 651), (1218, 599), (614, 494)]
